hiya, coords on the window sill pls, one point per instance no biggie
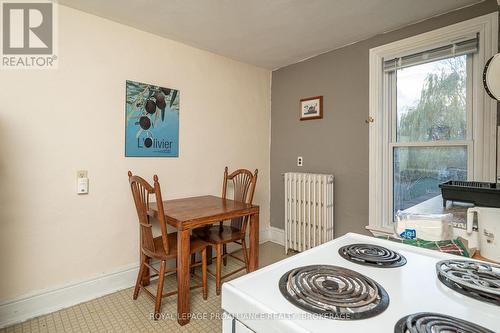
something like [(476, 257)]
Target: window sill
[(380, 231)]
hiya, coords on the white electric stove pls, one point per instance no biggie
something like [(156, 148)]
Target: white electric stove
[(357, 283)]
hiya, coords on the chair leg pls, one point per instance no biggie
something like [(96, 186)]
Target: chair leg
[(218, 268), (245, 253), (224, 252), (193, 261), (209, 255), (204, 272), (159, 291), (139, 279), (146, 279)]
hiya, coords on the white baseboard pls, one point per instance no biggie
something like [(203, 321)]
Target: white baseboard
[(277, 235), (264, 236), (54, 299)]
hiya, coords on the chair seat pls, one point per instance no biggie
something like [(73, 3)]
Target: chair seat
[(196, 245), (218, 235)]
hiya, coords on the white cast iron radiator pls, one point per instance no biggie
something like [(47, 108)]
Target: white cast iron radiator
[(308, 210)]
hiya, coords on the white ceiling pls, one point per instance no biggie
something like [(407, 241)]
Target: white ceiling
[(267, 33)]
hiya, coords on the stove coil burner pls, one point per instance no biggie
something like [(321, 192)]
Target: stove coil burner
[(333, 292), (477, 280), (372, 255), (426, 322)]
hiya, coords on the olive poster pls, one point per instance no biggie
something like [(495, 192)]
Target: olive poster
[(152, 121)]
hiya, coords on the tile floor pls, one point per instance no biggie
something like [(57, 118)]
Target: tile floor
[(117, 312)]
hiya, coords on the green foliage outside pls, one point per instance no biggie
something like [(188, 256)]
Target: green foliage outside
[(439, 114)]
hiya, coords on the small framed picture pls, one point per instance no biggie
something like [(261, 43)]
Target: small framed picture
[(311, 108)]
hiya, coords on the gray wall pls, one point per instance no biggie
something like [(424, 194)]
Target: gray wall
[(338, 143)]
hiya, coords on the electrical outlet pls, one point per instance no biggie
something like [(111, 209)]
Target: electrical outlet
[(81, 174), (299, 161)]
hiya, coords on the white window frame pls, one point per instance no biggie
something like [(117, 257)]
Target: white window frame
[(483, 112)]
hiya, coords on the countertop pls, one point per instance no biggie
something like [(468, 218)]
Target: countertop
[(457, 209), (435, 206)]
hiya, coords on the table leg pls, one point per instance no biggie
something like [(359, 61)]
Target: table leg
[(183, 259), (254, 243)]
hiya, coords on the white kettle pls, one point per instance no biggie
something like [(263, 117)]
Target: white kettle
[(488, 223)]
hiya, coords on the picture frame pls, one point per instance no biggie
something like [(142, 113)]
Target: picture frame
[(151, 120), (311, 108)]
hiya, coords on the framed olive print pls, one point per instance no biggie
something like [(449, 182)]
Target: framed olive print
[(152, 121)]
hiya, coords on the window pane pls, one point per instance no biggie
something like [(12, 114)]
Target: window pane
[(431, 101), (419, 170)]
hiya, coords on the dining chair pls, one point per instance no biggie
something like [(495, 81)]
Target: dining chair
[(163, 247), (219, 236)]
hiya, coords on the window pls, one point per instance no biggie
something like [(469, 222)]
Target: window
[(432, 118), (430, 141)]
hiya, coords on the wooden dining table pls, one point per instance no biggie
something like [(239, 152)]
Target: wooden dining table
[(189, 213)]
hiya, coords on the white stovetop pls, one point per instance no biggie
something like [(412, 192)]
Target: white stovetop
[(412, 288)]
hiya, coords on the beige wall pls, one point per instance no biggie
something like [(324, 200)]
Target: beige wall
[(338, 143), (55, 122)]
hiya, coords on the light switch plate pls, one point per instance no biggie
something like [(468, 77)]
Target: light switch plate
[(299, 161)]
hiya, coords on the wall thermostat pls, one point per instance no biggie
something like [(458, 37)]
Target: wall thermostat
[(82, 182)]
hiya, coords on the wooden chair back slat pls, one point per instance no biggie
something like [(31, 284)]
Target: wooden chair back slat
[(141, 192), (243, 183)]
